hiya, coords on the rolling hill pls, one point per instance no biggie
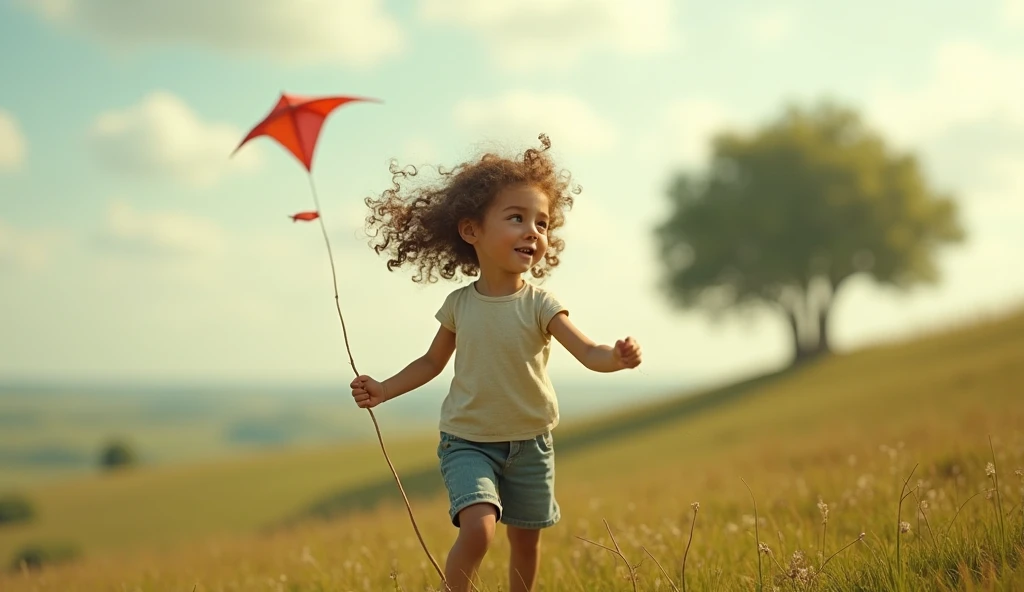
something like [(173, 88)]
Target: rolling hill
[(845, 432)]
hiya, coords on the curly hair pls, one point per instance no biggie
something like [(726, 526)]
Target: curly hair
[(419, 225)]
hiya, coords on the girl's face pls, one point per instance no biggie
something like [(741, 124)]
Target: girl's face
[(513, 236)]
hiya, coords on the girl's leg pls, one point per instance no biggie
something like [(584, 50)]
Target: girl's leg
[(524, 559), (476, 531)]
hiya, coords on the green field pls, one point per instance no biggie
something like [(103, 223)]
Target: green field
[(847, 432), (57, 433)]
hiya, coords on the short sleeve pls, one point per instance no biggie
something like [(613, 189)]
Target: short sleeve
[(547, 307), (446, 314)]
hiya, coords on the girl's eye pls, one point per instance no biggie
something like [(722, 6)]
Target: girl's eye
[(516, 217)]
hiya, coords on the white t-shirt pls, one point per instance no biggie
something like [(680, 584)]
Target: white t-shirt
[(501, 390)]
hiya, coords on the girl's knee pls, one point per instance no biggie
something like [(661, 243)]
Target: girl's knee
[(477, 525), (524, 539)]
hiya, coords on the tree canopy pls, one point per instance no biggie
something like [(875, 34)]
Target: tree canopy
[(784, 215)]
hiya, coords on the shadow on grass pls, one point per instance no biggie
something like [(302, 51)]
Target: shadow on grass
[(427, 482)]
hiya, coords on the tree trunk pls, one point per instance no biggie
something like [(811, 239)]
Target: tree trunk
[(821, 314), (800, 352), (808, 310), (792, 303), (824, 347)]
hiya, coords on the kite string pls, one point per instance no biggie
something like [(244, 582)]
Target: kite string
[(376, 426)]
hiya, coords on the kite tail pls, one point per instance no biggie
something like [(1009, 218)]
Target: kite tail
[(376, 426)]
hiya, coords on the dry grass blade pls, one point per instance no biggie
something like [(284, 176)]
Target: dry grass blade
[(899, 522), (682, 571), (945, 535), (757, 538), (845, 547), (658, 563), (921, 507), (617, 551)]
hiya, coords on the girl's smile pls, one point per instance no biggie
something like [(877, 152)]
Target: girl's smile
[(512, 238)]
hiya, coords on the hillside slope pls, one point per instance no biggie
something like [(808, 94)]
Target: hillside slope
[(847, 431)]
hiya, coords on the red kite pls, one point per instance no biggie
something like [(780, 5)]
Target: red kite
[(305, 216), (295, 122)]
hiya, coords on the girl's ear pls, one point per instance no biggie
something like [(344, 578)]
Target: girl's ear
[(468, 231)]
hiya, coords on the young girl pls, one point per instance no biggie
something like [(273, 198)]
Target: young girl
[(494, 220)]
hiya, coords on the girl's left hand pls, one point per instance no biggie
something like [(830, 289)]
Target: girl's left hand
[(627, 353)]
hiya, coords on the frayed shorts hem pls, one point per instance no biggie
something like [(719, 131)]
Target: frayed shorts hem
[(474, 498), (535, 525)]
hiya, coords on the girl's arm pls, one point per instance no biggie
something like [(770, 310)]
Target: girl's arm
[(370, 393), (599, 358), (424, 368)]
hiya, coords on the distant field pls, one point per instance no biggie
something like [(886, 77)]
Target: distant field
[(847, 432), (55, 434)]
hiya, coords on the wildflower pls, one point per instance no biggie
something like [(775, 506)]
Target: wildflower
[(861, 537), (307, 557), (823, 508), (696, 505), (924, 504), (1019, 473), (805, 574), (990, 470), (798, 569), (904, 527), (763, 548)]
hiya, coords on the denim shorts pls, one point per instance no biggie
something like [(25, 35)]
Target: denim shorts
[(517, 477)]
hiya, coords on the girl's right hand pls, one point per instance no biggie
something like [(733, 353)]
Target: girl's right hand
[(367, 392)]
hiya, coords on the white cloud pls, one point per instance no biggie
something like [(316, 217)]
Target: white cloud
[(12, 142), (534, 34), (968, 84), (129, 230), (28, 249), (162, 137), (354, 32), (771, 29), (519, 117)]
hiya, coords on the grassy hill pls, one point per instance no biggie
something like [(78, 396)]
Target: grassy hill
[(847, 432)]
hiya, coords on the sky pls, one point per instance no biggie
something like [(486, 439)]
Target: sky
[(135, 249)]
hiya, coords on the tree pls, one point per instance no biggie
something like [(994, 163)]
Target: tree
[(785, 215), (15, 508), (117, 454)]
